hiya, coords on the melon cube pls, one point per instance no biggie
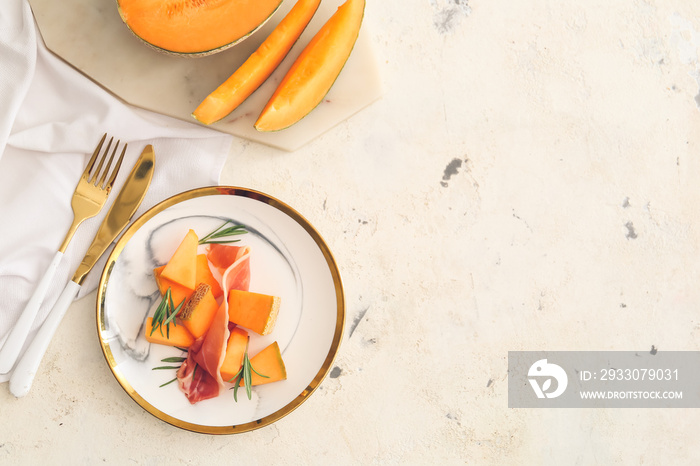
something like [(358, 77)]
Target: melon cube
[(255, 311), (235, 350), (269, 363), (173, 336), (182, 266), (178, 292), (198, 313)]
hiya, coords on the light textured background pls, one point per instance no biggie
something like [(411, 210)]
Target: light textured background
[(528, 181)]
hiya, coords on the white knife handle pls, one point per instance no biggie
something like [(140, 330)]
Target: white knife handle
[(23, 375), (18, 334)]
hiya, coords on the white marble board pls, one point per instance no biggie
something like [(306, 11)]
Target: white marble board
[(90, 35)]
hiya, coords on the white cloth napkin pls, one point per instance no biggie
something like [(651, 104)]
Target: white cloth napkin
[(51, 118)]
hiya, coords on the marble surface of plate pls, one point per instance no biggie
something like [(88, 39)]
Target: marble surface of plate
[(288, 259), (90, 35)]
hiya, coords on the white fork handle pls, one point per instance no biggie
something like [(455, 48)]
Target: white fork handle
[(23, 375), (18, 334)]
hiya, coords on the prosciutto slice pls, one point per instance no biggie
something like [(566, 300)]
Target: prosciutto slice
[(199, 377), (233, 263), (195, 383)]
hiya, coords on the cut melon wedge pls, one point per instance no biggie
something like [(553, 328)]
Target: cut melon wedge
[(174, 335), (195, 27), (254, 311), (315, 70), (182, 266), (259, 66), (198, 313), (178, 292), (269, 363), (204, 275), (235, 350)]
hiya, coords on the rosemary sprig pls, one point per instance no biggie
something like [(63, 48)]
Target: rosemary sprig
[(179, 359), (194, 371), (222, 232), (170, 360), (165, 314), (245, 373), (167, 383), (175, 359)]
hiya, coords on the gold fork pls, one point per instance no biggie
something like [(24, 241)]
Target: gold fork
[(88, 199), (91, 193)]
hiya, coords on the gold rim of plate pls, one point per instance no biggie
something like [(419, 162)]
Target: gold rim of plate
[(337, 282)]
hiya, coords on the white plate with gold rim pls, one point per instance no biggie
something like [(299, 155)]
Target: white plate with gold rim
[(288, 259)]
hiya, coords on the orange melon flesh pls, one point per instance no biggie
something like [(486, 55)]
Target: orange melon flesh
[(203, 274), (254, 311), (259, 66), (175, 336), (178, 292), (315, 70), (198, 313), (235, 350), (196, 27), (267, 362), (182, 266)]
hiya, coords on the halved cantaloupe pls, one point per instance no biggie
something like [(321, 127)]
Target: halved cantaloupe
[(269, 363), (198, 313), (235, 350), (259, 66), (254, 311), (182, 266), (315, 70), (174, 336), (195, 27)]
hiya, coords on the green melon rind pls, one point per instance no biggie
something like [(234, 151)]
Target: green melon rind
[(203, 53)]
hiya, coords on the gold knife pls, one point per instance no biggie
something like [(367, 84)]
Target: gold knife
[(118, 217)]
